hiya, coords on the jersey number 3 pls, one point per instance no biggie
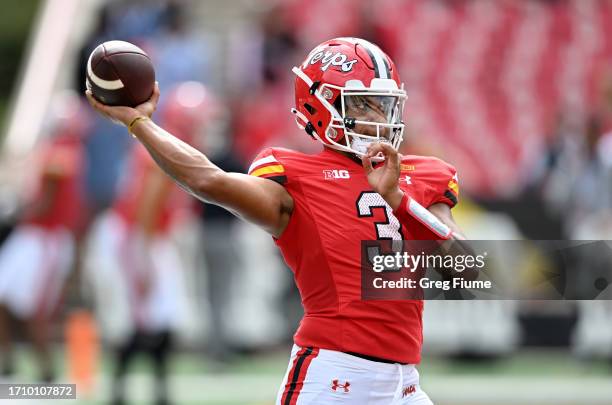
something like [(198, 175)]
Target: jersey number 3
[(388, 229)]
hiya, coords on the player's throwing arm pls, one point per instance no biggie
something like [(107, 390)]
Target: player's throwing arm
[(257, 200)]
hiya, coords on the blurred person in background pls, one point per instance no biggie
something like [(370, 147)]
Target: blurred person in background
[(178, 52), (590, 218), (573, 183), (138, 22), (570, 175), (40, 253), (134, 267), (573, 175), (219, 247)]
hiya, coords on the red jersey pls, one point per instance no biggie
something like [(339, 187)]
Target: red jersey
[(334, 210), (130, 198), (61, 162)]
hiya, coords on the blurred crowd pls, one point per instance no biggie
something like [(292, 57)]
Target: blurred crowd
[(516, 94)]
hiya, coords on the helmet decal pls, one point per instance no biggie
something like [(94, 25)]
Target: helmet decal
[(329, 58)]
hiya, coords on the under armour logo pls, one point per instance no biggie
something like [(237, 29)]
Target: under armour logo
[(336, 385), (411, 389)]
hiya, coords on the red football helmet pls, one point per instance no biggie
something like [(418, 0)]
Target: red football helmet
[(190, 111), (348, 94)]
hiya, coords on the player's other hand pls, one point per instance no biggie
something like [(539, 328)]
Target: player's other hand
[(125, 115), (384, 179)]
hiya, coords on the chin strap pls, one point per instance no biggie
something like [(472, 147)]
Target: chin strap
[(300, 119), (303, 123)]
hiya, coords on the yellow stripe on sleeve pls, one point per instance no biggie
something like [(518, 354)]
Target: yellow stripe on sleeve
[(273, 169), (453, 186)]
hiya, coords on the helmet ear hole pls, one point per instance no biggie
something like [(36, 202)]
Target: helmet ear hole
[(310, 108)]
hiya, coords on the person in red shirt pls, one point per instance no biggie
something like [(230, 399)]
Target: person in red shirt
[(40, 253), (135, 267), (318, 208)]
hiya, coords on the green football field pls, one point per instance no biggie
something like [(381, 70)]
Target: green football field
[(532, 377)]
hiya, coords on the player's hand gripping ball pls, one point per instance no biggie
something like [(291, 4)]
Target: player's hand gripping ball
[(120, 73)]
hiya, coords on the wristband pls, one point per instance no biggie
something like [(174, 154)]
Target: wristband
[(134, 122), (410, 208)]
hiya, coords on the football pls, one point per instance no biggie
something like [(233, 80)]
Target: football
[(120, 73)]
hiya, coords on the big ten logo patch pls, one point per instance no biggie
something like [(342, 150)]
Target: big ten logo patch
[(336, 174)]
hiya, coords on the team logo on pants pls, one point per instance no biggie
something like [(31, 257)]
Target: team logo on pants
[(336, 385)]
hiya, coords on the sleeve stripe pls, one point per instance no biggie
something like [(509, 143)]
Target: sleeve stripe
[(453, 186), (260, 162), (451, 197), (273, 169)]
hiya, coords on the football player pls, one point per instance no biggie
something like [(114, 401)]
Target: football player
[(319, 207), (132, 254), (39, 255)]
